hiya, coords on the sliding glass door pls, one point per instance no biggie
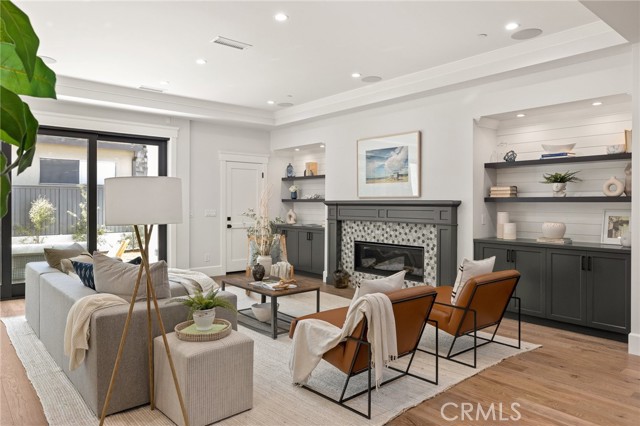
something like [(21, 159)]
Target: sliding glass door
[(59, 200)]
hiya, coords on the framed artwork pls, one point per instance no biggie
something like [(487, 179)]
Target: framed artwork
[(615, 224), (389, 166)]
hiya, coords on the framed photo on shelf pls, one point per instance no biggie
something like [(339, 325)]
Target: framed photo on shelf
[(615, 224), (389, 166)]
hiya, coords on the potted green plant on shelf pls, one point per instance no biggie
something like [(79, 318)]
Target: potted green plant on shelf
[(559, 181), (202, 307)]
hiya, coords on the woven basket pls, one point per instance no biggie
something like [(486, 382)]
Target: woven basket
[(204, 337)]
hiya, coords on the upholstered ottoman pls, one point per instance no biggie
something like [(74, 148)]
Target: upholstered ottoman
[(216, 378)]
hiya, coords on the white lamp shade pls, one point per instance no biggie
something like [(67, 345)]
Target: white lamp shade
[(143, 200)]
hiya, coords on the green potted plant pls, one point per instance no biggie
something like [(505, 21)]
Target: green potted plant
[(202, 307), (559, 181)]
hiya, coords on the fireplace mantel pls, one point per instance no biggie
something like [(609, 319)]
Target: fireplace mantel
[(440, 213)]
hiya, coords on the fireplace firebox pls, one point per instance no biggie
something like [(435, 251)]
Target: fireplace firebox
[(387, 259)]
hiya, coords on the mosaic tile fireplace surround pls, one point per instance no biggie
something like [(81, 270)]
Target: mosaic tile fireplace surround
[(430, 225)]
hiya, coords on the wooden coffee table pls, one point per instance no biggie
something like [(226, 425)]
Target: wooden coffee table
[(280, 321)]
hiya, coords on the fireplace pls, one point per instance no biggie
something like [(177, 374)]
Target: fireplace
[(387, 259)]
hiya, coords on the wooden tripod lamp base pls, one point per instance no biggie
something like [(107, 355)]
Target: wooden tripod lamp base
[(155, 200)]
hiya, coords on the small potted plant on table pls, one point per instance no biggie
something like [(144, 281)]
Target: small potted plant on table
[(202, 307), (559, 181)]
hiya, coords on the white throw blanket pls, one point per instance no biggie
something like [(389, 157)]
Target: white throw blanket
[(192, 281), (76, 332), (313, 338)]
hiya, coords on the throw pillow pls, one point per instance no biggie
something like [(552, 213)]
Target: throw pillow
[(85, 273), (54, 256), (469, 269), (135, 261), (381, 285), (119, 278), (67, 267)]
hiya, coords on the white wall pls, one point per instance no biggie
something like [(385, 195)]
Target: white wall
[(207, 141)]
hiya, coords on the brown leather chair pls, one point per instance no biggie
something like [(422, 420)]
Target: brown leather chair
[(481, 304), (411, 308)]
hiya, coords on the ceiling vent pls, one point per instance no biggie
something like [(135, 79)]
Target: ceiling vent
[(230, 43)]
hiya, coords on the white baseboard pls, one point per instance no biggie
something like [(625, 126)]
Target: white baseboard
[(211, 271), (634, 344)]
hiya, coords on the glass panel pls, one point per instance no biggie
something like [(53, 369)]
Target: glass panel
[(48, 201), (124, 159)]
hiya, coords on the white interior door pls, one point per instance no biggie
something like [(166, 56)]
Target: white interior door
[(243, 185)]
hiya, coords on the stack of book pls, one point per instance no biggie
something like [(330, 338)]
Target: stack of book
[(557, 155), (503, 191)]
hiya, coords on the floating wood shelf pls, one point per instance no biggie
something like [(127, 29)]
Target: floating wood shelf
[(303, 200), (584, 159), (287, 179), (558, 199)]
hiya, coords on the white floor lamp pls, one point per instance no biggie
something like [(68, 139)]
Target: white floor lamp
[(149, 201)]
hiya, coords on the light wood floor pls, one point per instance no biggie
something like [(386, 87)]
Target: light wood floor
[(572, 380)]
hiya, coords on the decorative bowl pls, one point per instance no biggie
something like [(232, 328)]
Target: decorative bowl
[(262, 311), (553, 229), (616, 149), (553, 149)]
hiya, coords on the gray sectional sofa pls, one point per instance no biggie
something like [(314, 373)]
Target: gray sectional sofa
[(49, 296)]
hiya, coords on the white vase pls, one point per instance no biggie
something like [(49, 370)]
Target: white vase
[(559, 189), (265, 261), (510, 231), (503, 217), (553, 229), (625, 239), (613, 187), (204, 319)]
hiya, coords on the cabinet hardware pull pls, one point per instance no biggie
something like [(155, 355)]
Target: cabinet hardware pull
[(588, 263), (582, 259), (228, 218), (508, 256)]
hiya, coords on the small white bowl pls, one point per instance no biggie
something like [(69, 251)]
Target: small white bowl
[(553, 149), (262, 311), (616, 149)]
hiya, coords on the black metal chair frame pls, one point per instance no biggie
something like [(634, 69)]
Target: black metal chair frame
[(474, 332), (360, 342)]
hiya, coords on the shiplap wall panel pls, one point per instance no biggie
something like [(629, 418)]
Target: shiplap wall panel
[(591, 133)]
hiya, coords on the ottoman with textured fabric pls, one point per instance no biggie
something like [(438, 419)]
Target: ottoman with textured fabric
[(216, 378)]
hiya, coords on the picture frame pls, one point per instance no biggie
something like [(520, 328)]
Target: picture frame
[(615, 223), (389, 166)]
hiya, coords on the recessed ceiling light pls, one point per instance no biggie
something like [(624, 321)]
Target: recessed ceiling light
[(597, 103), (356, 75), (296, 149), (321, 145), (271, 102), (280, 17), (48, 60), (512, 26), (164, 82), (201, 61), (520, 115), (371, 79), (526, 34), (482, 35)]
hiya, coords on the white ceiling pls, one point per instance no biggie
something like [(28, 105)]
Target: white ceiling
[(309, 57)]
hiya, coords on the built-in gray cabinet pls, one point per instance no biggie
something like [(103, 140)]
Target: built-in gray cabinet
[(585, 284), (305, 247)]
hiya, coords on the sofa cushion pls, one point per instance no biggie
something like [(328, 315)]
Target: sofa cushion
[(85, 273), (54, 256), (469, 269), (67, 267), (119, 278)]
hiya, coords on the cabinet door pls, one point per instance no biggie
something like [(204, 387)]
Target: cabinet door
[(566, 286), (484, 251), (304, 251), (317, 252), (608, 288), (292, 246), (530, 262)]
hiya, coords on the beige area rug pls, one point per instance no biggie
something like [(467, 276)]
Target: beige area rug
[(276, 400)]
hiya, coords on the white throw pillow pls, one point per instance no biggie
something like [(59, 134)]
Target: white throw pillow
[(119, 278), (469, 269), (380, 285)]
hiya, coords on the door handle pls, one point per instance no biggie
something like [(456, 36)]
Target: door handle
[(508, 256), (582, 265), (229, 226), (588, 263), (228, 218)]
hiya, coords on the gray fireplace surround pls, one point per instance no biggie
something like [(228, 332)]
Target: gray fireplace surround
[(440, 216)]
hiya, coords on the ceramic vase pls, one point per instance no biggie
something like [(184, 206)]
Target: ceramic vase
[(204, 319), (553, 229), (290, 172), (291, 217), (625, 239), (258, 272), (510, 231), (265, 261), (503, 217), (294, 195), (559, 189), (613, 187)]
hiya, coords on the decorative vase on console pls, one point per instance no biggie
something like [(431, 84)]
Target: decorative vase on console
[(265, 261), (553, 230)]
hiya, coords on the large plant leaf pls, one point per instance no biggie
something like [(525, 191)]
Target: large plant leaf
[(28, 149), (17, 27), (14, 76), (12, 119), (5, 186)]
